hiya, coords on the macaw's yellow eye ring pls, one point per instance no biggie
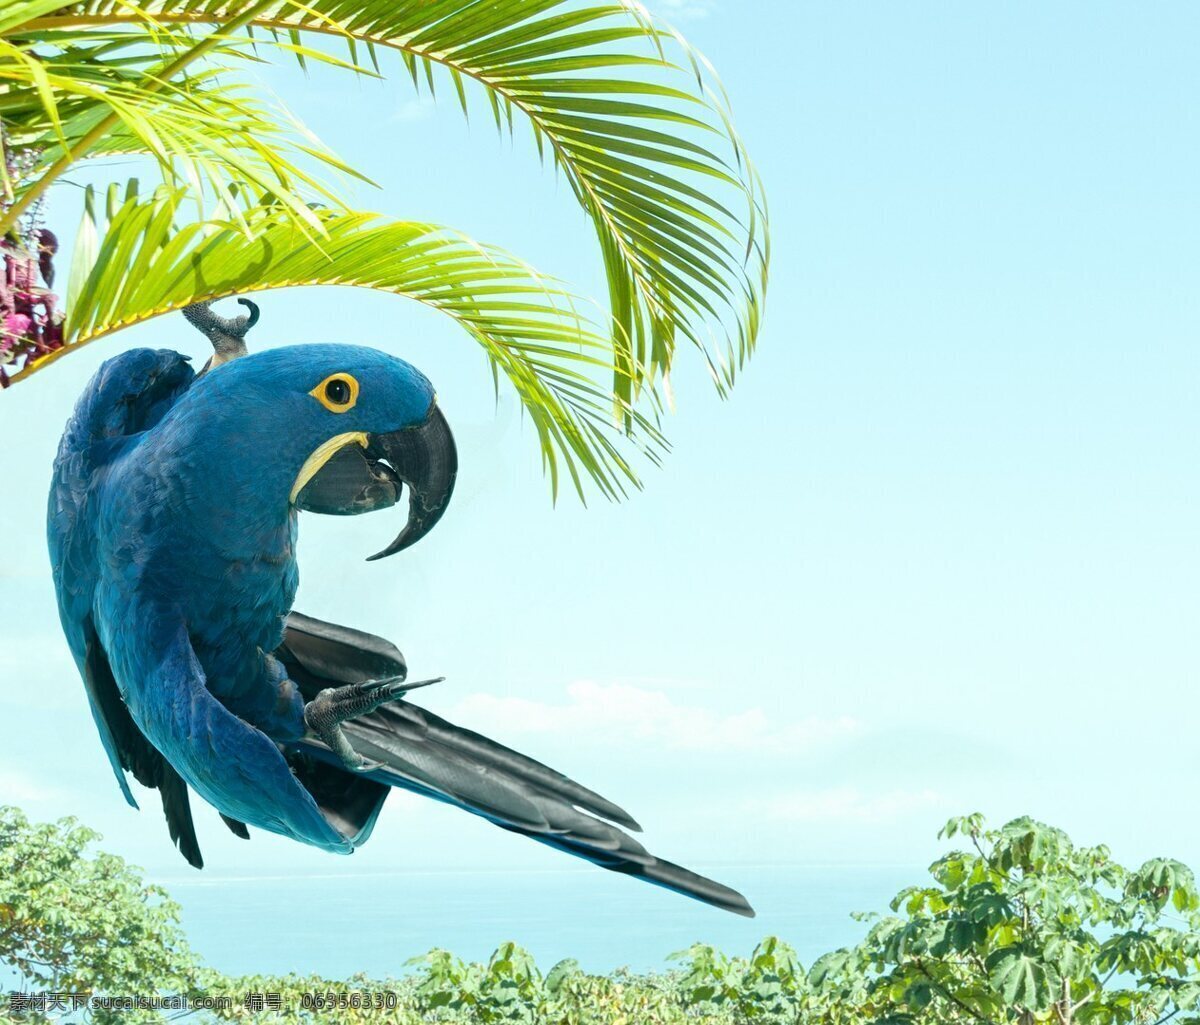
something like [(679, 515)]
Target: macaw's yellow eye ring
[(338, 393)]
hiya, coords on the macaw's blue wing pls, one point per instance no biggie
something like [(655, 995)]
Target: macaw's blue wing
[(231, 764), (129, 395)]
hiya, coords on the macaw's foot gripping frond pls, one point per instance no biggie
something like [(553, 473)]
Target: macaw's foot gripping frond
[(333, 706), (412, 749), (227, 334)]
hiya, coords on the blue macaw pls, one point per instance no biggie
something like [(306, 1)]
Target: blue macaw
[(172, 531)]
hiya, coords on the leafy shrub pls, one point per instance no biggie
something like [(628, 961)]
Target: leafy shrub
[(1026, 927), (770, 986), (508, 988), (73, 921), (1023, 927)]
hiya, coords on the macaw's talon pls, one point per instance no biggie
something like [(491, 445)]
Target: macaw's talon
[(326, 712), (227, 334)]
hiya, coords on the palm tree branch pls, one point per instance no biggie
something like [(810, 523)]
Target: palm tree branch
[(143, 265), (173, 68), (513, 62)]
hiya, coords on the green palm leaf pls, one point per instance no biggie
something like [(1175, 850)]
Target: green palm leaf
[(69, 96), (631, 116), (142, 264)]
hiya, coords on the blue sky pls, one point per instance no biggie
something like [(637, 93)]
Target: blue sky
[(938, 552)]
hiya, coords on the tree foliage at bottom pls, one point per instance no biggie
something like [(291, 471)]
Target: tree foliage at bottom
[(1020, 927)]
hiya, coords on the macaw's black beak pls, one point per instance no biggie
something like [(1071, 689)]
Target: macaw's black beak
[(358, 480)]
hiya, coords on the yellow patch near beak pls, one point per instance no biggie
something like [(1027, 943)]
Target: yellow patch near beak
[(322, 455)]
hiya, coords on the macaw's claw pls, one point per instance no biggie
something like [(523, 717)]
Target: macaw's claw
[(326, 712)]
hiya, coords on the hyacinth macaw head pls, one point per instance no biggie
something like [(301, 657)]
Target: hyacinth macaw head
[(336, 429)]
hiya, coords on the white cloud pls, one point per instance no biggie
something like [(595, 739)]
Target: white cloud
[(618, 712), (19, 788), (843, 804)]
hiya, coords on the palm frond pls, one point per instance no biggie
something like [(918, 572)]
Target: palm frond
[(142, 263), (206, 128), (631, 116)]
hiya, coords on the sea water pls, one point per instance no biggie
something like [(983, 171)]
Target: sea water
[(336, 926)]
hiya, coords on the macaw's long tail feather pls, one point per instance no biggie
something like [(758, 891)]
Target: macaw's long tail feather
[(422, 752), (419, 751), (319, 655), (425, 746), (661, 873)]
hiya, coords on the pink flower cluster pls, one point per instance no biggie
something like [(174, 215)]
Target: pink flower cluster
[(30, 326)]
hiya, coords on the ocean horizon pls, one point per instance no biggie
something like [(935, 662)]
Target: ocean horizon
[(336, 925)]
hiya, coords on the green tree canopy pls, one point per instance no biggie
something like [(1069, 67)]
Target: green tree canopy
[(1022, 927), (73, 920), (1026, 927)]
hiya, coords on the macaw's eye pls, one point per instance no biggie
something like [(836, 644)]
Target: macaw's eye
[(337, 393)]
